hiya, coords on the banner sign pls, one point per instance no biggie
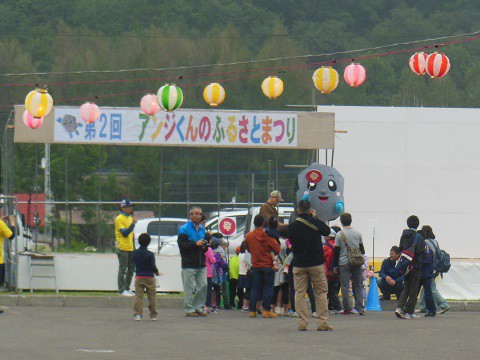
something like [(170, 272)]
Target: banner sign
[(182, 127)]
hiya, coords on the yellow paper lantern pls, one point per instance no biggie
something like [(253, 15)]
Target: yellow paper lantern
[(272, 87), (38, 102), (325, 79), (214, 94)]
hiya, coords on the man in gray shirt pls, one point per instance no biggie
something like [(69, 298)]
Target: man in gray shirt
[(348, 271)]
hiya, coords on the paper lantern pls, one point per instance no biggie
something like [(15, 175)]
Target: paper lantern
[(355, 75), (31, 121), (38, 102), (438, 65), (149, 104), (214, 94), (418, 63), (89, 112), (170, 97), (272, 87), (325, 79)]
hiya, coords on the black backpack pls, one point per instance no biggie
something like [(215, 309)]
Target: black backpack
[(441, 263)]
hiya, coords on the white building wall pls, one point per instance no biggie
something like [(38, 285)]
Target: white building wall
[(402, 161)]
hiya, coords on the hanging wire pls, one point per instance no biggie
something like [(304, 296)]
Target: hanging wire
[(250, 61)]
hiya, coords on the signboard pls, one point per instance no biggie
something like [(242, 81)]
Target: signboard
[(181, 127), (196, 128), (228, 226)]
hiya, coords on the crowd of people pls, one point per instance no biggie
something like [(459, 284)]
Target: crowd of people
[(278, 265)]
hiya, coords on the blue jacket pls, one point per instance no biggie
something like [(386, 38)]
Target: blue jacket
[(144, 261), (193, 256), (427, 263), (388, 269)]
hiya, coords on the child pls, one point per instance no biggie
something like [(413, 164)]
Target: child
[(272, 231), (217, 276), (145, 278), (210, 261)]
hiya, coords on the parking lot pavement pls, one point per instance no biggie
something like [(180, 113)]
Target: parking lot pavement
[(110, 333)]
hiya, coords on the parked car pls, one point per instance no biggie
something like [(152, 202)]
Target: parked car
[(244, 220), (165, 229)]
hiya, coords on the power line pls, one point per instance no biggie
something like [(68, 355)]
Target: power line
[(244, 62)]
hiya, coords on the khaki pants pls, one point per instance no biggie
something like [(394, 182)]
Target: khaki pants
[(320, 288), (151, 286)]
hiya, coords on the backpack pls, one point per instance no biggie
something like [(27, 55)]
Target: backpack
[(355, 256), (331, 273), (441, 262), (405, 262)]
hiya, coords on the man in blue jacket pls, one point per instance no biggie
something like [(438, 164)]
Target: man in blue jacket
[(390, 281), (193, 245)]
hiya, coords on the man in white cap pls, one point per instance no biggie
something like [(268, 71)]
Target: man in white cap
[(269, 209), (124, 225)]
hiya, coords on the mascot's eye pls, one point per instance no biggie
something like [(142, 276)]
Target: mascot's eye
[(312, 186), (331, 185)]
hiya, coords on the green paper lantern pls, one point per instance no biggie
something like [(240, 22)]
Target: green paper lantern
[(169, 97)]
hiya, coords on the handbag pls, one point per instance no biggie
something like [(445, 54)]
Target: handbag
[(405, 262), (355, 256)]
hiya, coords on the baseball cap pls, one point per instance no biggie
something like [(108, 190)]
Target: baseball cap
[(332, 233), (126, 203), (277, 194)]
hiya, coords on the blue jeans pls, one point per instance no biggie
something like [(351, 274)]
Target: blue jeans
[(439, 300), (427, 290), (263, 279)]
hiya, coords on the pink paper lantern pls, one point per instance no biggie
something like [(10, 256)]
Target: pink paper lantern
[(89, 112), (418, 63), (149, 104), (31, 121), (438, 65), (355, 74)]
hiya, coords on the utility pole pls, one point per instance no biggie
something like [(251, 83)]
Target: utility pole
[(48, 197)]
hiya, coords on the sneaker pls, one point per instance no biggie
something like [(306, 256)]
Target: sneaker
[(420, 311), (347, 312), (314, 314), (245, 309), (126, 293), (252, 314), (354, 311), (153, 319), (302, 327), (137, 317), (130, 292), (334, 312), (268, 314), (286, 313), (409, 316), (201, 312), (399, 313), (430, 314), (443, 311), (259, 312), (325, 327), (361, 313), (213, 310), (192, 314), (293, 314)]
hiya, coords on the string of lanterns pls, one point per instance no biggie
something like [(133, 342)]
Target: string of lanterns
[(169, 97)]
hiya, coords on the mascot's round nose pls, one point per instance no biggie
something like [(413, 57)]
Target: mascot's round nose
[(323, 191)]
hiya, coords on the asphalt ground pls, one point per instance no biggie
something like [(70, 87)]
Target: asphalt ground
[(110, 333)]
